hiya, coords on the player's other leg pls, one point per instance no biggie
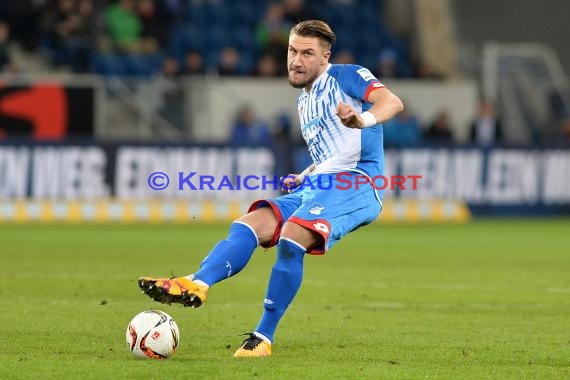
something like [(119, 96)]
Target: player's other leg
[(324, 217), (284, 282), (226, 259)]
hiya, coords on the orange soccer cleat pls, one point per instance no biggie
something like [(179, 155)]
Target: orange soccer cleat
[(174, 290), (253, 347)]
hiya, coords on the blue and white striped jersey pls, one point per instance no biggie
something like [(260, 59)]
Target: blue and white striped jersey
[(333, 147)]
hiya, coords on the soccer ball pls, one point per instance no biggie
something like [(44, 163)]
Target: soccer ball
[(152, 334)]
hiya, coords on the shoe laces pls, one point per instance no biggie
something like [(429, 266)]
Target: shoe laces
[(252, 342)]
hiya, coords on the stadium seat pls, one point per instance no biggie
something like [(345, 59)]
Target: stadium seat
[(242, 38), (143, 65), (109, 64), (246, 13), (216, 13), (184, 39), (216, 37)]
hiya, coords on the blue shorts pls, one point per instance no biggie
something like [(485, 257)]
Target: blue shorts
[(329, 211)]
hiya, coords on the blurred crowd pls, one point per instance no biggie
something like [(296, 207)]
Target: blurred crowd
[(178, 37), (404, 130)]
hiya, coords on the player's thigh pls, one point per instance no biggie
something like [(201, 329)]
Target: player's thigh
[(334, 213), (350, 220)]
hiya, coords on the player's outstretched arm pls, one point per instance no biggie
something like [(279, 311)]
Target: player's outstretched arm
[(384, 106)]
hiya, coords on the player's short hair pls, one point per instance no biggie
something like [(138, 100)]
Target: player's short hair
[(315, 28)]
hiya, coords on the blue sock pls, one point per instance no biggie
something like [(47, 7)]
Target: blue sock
[(229, 256), (284, 283)]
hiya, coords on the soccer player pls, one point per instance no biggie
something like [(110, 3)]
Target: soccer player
[(341, 108)]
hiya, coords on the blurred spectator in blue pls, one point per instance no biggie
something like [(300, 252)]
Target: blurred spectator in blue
[(295, 11), (283, 145), (123, 26), (440, 131), (61, 23), (247, 130), (170, 93), (229, 62), (344, 56), (72, 30), (486, 129), (402, 130), (272, 32), (387, 64), (82, 48), (5, 59), (267, 66), (194, 63)]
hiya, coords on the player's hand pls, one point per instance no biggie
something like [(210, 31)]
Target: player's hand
[(349, 117), (290, 182)]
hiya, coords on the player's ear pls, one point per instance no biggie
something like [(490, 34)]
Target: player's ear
[(325, 59)]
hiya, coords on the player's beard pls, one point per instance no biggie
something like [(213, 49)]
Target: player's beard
[(296, 85), (308, 79)]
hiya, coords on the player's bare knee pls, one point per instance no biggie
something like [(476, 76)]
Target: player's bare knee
[(263, 221)]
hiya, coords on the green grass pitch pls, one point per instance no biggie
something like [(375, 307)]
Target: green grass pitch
[(489, 299)]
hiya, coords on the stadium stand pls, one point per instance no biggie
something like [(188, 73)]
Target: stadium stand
[(88, 36)]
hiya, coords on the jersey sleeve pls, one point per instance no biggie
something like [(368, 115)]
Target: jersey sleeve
[(357, 81)]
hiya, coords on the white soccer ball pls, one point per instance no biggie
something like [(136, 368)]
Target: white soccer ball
[(152, 334)]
